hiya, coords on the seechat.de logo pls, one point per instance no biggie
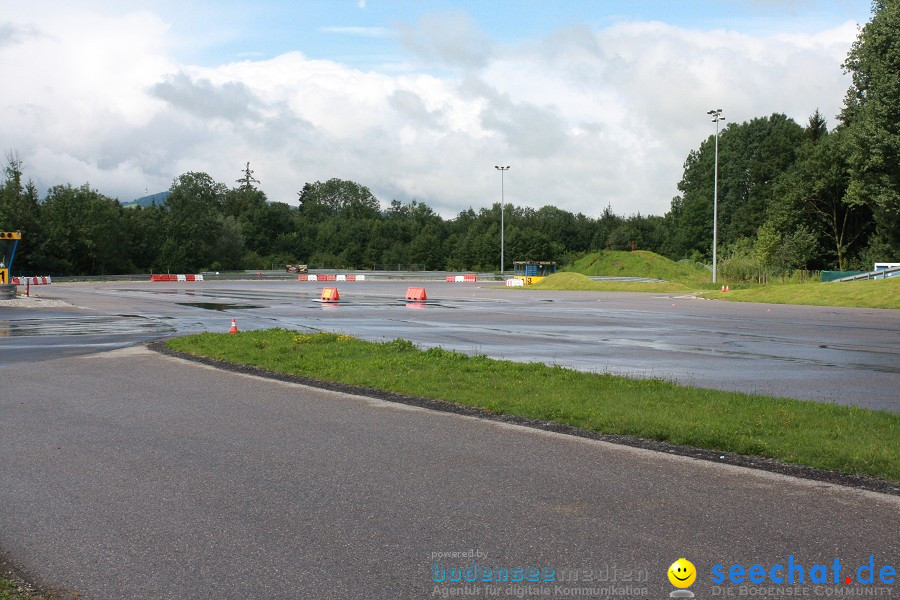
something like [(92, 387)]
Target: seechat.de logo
[(793, 572)]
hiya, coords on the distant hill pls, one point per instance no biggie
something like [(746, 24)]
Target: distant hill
[(640, 263), (159, 198)]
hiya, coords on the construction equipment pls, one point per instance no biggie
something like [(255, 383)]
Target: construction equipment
[(9, 241)]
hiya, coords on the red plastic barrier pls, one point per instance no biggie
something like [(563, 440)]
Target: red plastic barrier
[(469, 278), (450, 278), (331, 277), (330, 295), (416, 293), (170, 277)]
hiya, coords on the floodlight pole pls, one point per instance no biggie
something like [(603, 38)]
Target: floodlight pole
[(716, 116), (502, 202)]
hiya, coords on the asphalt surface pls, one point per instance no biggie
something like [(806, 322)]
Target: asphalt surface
[(129, 474), (840, 355)]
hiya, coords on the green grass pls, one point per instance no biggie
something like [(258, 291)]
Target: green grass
[(579, 282), (841, 438), (9, 590), (684, 276), (641, 263), (880, 293)]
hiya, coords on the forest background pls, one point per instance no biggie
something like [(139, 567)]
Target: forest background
[(790, 197)]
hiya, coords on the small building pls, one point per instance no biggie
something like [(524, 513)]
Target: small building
[(532, 271), (888, 267)]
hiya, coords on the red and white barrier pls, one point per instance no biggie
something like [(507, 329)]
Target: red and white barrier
[(467, 278), (329, 277), (515, 282), (166, 277), (30, 281)]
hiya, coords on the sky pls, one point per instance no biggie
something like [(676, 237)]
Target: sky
[(592, 103)]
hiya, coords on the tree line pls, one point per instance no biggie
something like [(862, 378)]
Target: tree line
[(793, 197), (790, 197), (204, 225)]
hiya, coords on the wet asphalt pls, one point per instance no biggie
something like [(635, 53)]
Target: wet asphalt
[(129, 474), (840, 355)]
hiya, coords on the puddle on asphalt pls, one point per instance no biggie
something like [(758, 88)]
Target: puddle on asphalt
[(383, 302), (305, 294), (85, 325), (220, 306)]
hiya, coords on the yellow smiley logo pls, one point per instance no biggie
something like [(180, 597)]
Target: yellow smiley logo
[(682, 573)]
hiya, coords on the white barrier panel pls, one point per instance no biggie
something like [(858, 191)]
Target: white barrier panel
[(360, 277), (514, 283), (459, 279), (341, 278), (198, 278), (182, 277), (313, 278)]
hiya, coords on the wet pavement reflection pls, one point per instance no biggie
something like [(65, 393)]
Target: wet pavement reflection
[(824, 354)]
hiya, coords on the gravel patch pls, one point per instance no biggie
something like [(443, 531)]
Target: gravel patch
[(34, 302)]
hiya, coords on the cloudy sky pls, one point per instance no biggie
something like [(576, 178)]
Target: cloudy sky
[(591, 102)]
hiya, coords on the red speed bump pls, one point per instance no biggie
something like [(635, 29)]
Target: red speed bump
[(416, 294), (330, 295)]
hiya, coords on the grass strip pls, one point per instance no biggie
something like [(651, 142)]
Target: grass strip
[(581, 283), (873, 293), (840, 438)]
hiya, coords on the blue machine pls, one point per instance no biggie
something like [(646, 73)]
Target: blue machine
[(9, 241)]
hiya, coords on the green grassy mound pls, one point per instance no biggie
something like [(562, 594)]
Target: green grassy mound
[(641, 263), (579, 282), (873, 293)]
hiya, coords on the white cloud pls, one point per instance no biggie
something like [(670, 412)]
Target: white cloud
[(448, 39), (585, 117)]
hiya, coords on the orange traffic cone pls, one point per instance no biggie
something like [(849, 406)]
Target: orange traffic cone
[(723, 289), (233, 326), (727, 289)]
